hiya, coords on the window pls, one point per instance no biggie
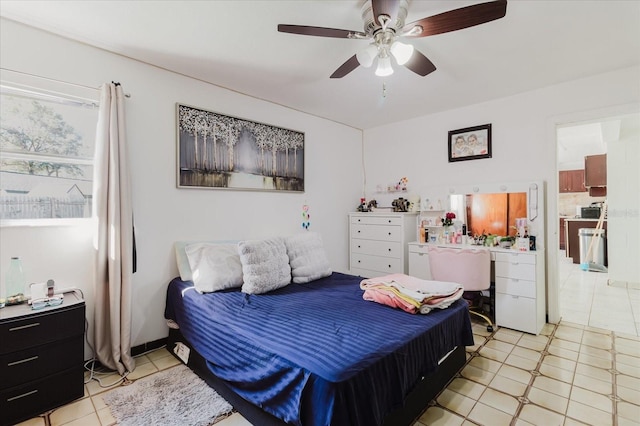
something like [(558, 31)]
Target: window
[(47, 143)]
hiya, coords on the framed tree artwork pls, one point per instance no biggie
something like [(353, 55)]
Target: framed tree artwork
[(220, 151), (470, 143)]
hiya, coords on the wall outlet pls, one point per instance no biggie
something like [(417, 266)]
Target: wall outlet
[(182, 351)]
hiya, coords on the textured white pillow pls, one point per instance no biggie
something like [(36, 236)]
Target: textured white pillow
[(265, 265), (214, 266), (183, 262), (307, 257)]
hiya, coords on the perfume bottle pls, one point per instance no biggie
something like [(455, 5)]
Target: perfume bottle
[(15, 282)]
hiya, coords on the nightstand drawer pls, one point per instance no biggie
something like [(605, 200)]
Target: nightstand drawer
[(377, 232), (376, 248), (39, 361), (41, 328), (27, 400)]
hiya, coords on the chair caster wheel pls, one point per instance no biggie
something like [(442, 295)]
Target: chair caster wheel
[(490, 329)]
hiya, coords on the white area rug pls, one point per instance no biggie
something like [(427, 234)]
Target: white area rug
[(176, 396)]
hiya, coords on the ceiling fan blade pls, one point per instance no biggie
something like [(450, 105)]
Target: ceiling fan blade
[(420, 64), (351, 64), (319, 31), (385, 7), (458, 19)]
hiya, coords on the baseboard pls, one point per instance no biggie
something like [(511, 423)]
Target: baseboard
[(149, 346)]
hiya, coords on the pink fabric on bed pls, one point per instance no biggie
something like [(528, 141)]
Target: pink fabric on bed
[(385, 297), (426, 294)]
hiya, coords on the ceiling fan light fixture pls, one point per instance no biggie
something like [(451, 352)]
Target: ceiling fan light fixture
[(384, 67), (365, 57), (402, 52)]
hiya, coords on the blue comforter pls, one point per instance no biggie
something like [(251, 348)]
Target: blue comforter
[(316, 353)]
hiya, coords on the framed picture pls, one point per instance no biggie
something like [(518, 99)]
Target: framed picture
[(220, 151), (471, 143)]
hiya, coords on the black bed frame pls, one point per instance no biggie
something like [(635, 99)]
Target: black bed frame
[(415, 403)]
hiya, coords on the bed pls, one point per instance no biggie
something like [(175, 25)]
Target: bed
[(317, 353)]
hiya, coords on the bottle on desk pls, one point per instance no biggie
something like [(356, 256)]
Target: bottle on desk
[(15, 283)]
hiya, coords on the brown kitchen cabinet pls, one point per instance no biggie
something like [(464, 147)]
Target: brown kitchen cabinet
[(595, 174), (562, 234), (571, 181)]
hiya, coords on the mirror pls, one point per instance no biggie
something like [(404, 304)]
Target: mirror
[(491, 208), (494, 214)]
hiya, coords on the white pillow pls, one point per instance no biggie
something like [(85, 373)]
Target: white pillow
[(307, 257), (214, 266), (183, 262), (265, 265)]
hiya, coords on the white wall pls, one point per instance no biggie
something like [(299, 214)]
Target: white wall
[(163, 213), (523, 142), (623, 203)]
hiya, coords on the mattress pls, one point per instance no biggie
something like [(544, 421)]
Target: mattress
[(316, 353)]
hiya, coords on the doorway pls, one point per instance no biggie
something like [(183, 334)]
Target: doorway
[(608, 299)]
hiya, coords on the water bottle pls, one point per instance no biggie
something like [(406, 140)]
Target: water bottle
[(15, 282)]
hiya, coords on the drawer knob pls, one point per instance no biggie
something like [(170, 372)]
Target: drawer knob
[(358, 220), (389, 249), (389, 233), (389, 266), (389, 220), (358, 246), (358, 261), (358, 231)]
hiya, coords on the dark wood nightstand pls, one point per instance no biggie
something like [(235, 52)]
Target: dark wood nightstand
[(41, 357)]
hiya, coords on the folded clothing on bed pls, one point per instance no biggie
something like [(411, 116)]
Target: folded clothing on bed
[(411, 294)]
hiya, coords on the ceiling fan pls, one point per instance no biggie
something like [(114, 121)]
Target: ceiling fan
[(384, 25)]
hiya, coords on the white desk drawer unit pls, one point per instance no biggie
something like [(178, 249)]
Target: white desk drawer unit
[(419, 261), (519, 284), (520, 291), (378, 242)]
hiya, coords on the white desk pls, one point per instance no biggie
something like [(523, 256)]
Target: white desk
[(519, 281)]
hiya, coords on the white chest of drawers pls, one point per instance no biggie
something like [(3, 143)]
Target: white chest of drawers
[(378, 242), (520, 291)]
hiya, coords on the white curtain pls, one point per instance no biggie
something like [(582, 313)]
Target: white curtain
[(115, 245)]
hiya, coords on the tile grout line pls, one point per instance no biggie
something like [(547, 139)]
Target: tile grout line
[(523, 400)]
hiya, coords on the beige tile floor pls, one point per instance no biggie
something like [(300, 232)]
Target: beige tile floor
[(571, 374), (589, 298)]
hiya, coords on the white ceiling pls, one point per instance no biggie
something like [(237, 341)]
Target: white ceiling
[(235, 44)]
